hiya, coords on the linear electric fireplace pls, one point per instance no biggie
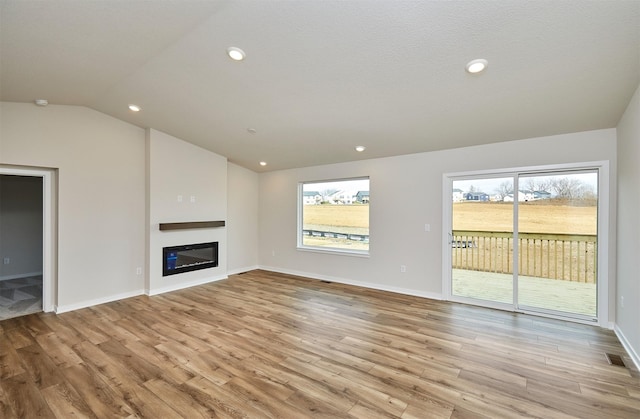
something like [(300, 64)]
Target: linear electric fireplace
[(190, 257)]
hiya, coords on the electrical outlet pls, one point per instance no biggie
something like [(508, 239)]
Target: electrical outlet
[(138, 271), (403, 268), (6, 261), (427, 227), (621, 301), (273, 253)]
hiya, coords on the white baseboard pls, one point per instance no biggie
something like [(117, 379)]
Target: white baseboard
[(370, 285), (627, 346), (242, 270), (17, 276), (184, 285), (90, 303)]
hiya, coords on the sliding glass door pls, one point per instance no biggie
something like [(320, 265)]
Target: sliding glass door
[(558, 242), (526, 241), (482, 239)]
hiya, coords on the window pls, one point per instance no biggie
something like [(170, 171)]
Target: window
[(334, 215)]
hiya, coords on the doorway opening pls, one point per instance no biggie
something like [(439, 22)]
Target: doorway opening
[(26, 241), (21, 239)]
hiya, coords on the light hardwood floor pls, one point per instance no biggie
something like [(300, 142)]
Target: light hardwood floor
[(270, 345)]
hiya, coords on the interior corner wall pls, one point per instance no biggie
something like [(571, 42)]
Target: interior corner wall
[(20, 226), (242, 219), (101, 195), (185, 183), (628, 260), (406, 194)]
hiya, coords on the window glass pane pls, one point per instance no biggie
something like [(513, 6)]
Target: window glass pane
[(335, 215), (558, 240), (482, 239)]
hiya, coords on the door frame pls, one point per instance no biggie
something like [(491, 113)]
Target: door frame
[(49, 256), (604, 281)]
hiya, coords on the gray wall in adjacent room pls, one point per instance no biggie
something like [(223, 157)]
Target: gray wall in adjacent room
[(20, 226)]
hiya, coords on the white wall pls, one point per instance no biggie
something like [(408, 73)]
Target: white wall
[(20, 226), (109, 209), (628, 257), (184, 183), (242, 219), (406, 193), (101, 194), (103, 214)]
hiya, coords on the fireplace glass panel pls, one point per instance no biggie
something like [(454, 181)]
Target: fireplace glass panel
[(191, 257)]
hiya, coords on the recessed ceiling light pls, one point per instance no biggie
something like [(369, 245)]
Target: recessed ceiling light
[(251, 130), (236, 54), (263, 163), (360, 148), (41, 102), (135, 108), (476, 66)]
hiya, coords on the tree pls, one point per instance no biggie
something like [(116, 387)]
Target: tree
[(569, 188), (505, 188), (588, 192), (538, 184)]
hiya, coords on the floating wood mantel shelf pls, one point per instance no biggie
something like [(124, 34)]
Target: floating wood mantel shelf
[(191, 224)]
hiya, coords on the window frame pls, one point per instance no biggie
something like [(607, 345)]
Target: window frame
[(300, 221)]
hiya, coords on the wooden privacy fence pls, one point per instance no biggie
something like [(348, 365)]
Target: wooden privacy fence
[(570, 257)]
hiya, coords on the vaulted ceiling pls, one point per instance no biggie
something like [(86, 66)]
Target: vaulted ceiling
[(321, 77)]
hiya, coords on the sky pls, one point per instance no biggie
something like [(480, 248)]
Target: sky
[(486, 185), (346, 185), (490, 185)]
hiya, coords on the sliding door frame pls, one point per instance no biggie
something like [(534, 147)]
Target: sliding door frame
[(603, 279)]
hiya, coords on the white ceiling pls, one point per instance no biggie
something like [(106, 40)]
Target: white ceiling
[(321, 77)]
